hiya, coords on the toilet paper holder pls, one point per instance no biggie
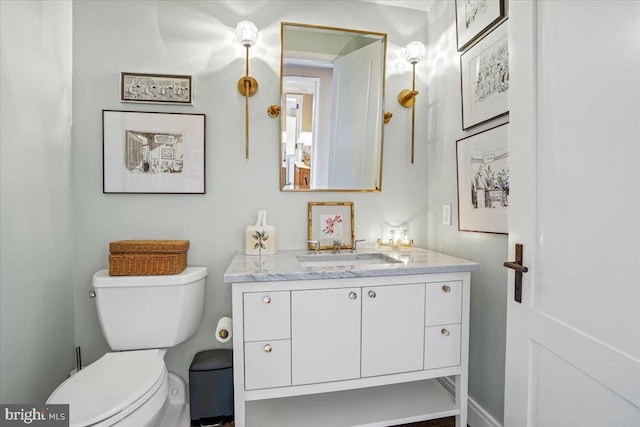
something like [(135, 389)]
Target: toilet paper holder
[(224, 329)]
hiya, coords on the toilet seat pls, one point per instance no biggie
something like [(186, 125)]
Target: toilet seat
[(112, 387)]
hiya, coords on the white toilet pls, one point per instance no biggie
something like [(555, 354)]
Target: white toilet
[(141, 316)]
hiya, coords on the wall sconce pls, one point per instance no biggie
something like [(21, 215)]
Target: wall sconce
[(414, 52), (247, 34)]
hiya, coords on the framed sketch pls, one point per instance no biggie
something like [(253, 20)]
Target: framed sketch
[(144, 152), (331, 221), (483, 181), (155, 88), (485, 78), (474, 18)]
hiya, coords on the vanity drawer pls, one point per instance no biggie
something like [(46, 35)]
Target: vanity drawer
[(267, 316), (267, 364), (441, 346), (443, 303)]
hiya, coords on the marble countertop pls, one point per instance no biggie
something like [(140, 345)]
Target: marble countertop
[(285, 265)]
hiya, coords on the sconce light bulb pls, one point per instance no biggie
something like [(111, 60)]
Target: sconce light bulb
[(414, 52), (247, 33)]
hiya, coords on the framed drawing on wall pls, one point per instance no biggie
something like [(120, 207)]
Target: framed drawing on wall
[(484, 75), (474, 18), (155, 88), (146, 152), (483, 181), (329, 222)]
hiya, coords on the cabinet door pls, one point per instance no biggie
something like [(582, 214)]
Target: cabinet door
[(267, 364), (325, 335), (266, 316), (441, 346), (444, 303), (392, 329)]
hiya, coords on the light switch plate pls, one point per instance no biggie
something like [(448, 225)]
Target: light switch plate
[(446, 214)]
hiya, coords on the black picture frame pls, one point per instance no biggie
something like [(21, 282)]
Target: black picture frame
[(136, 157), (474, 18)]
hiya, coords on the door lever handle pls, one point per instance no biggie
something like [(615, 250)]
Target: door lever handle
[(515, 266), (519, 269)]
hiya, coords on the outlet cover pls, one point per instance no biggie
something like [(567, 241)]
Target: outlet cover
[(446, 214)]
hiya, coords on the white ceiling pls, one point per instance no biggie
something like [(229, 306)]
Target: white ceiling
[(422, 5)]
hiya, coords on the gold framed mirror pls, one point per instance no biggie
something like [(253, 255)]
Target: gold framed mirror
[(332, 96)]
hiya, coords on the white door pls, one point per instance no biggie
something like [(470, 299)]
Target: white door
[(573, 344), (356, 95), (325, 323), (392, 329)]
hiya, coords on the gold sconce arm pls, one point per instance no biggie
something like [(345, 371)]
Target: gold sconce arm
[(407, 97), (414, 51), (247, 34)]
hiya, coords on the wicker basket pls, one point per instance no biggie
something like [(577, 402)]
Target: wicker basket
[(147, 257)]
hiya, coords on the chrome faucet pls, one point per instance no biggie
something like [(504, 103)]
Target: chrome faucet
[(355, 245), (316, 245), (337, 244)]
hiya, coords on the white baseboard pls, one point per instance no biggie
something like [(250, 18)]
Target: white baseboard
[(477, 416)]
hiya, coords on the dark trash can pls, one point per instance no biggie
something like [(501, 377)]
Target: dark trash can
[(211, 387)]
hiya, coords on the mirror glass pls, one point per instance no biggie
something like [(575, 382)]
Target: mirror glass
[(332, 94)]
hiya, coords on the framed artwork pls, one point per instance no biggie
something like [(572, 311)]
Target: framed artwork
[(474, 18), (331, 221), (483, 181), (155, 88), (485, 78), (145, 152)]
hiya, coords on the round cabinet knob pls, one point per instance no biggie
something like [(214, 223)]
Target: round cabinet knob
[(445, 332), (446, 288), (267, 300), (372, 294), (353, 295), (267, 348)]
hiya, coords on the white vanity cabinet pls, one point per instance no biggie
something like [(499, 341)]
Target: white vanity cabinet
[(351, 351)]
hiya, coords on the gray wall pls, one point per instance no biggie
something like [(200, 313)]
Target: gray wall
[(36, 291), (196, 38), (488, 285)]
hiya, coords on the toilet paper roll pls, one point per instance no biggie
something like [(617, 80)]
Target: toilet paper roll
[(223, 330)]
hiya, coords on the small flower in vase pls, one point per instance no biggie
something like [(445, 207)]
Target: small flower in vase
[(260, 237)]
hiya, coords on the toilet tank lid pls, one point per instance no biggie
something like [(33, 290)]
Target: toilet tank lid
[(101, 279)]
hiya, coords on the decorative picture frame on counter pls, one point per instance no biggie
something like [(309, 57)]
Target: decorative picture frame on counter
[(155, 88), (484, 77), (150, 152), (483, 181), (474, 18), (330, 221)]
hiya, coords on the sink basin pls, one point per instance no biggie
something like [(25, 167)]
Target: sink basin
[(344, 260)]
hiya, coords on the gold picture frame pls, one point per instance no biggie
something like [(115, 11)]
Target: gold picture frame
[(330, 221)]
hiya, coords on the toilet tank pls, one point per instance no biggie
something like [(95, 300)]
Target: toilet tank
[(141, 312)]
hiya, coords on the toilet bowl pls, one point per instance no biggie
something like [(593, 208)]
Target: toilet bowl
[(141, 316)]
